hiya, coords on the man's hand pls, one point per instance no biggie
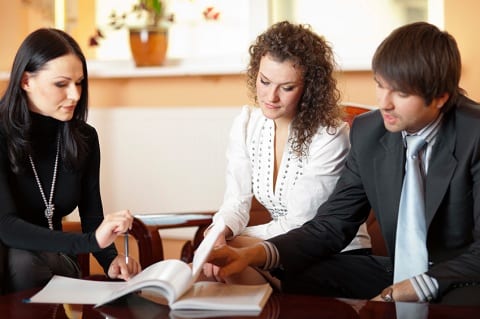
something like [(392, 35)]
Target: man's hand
[(232, 261), (210, 270), (401, 291)]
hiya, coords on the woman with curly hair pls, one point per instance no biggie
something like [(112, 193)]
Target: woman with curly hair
[(289, 151)]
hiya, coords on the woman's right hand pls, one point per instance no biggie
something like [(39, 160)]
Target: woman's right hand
[(113, 224)]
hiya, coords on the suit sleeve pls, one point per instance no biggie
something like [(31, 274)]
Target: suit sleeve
[(335, 224), (456, 225)]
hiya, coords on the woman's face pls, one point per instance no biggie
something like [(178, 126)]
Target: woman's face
[(55, 89), (279, 89)]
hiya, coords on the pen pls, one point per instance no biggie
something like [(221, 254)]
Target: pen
[(126, 247)]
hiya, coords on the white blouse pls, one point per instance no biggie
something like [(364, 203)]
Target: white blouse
[(302, 185)]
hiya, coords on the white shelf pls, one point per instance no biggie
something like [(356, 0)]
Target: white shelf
[(127, 69)]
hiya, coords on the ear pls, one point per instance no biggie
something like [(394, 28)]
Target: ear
[(439, 102), (25, 83)]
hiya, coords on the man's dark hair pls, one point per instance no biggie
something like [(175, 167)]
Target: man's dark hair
[(420, 59)]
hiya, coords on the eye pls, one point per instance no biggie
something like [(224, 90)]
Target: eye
[(79, 83), (403, 94), (288, 88), (61, 84), (264, 82)]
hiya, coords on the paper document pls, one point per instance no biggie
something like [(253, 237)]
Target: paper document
[(172, 281)]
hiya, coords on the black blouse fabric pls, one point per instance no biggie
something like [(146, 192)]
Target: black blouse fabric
[(22, 221)]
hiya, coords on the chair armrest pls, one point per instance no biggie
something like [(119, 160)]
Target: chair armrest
[(83, 259)]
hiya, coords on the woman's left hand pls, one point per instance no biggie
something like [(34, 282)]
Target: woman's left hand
[(120, 270), (112, 226)]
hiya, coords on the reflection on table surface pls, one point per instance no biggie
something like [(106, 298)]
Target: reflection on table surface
[(279, 306)]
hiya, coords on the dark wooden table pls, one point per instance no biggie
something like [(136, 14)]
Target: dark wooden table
[(279, 306)]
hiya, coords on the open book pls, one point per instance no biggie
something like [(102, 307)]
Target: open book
[(171, 281)]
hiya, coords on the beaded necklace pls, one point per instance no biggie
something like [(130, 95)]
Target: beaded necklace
[(49, 207)]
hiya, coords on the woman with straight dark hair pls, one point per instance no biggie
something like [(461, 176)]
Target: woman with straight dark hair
[(49, 165)]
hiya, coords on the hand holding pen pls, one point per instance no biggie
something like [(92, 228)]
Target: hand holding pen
[(113, 226)]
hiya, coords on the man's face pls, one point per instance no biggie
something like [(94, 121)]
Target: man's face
[(404, 111)]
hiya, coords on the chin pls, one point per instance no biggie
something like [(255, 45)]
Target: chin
[(392, 128), (269, 113), (64, 117)]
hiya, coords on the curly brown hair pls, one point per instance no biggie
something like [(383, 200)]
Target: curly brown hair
[(319, 103)]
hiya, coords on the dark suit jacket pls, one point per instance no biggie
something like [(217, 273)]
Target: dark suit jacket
[(373, 178), (3, 268)]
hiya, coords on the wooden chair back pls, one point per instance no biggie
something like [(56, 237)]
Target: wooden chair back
[(140, 248)]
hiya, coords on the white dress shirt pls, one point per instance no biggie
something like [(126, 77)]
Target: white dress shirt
[(302, 184)]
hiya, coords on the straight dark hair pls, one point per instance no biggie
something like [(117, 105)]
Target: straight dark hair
[(36, 50), (420, 59)]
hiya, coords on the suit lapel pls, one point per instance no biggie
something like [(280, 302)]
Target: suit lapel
[(441, 167), (389, 177)]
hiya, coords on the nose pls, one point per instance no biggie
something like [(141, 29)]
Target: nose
[(74, 92), (384, 99), (272, 94)]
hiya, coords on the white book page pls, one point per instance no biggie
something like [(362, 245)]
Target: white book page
[(205, 247), (75, 291), (169, 277), (220, 296)]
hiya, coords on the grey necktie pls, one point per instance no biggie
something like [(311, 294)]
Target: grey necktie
[(411, 257)]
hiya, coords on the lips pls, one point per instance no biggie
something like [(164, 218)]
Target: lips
[(389, 118), (69, 107), (270, 106)]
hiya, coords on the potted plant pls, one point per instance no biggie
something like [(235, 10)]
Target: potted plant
[(147, 24)]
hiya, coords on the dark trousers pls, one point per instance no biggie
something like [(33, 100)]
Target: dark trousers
[(360, 277), (29, 269)]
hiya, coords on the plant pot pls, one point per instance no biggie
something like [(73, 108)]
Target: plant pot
[(148, 45)]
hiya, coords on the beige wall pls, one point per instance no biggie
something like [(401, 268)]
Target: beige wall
[(215, 90), (461, 20), (13, 19)]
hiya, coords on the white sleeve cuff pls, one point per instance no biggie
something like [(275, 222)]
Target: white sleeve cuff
[(426, 287)]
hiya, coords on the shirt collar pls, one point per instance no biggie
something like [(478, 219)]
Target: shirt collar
[(429, 132)]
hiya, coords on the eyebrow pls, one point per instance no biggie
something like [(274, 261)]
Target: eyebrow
[(63, 77), (284, 83)]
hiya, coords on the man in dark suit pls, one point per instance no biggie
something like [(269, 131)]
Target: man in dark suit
[(417, 71)]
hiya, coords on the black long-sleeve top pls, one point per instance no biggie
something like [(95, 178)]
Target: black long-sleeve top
[(23, 224)]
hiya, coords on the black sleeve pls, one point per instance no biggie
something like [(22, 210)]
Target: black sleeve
[(90, 205), (335, 224)]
